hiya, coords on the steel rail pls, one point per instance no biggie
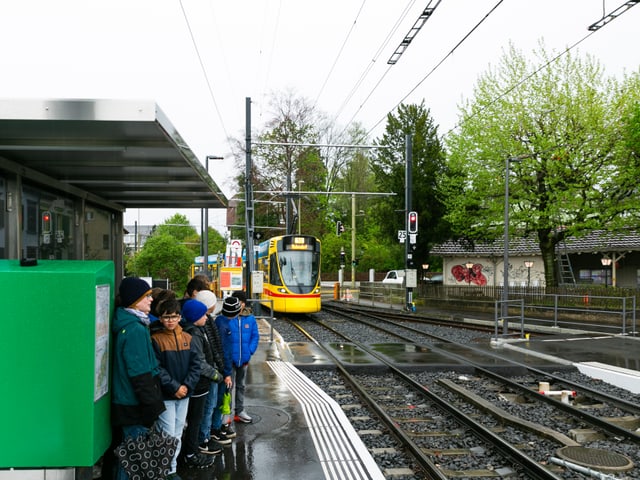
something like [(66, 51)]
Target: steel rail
[(532, 467), (609, 427)]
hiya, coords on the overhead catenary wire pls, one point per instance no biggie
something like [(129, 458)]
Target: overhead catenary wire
[(374, 59), (524, 79), (271, 51), (460, 42), (344, 43), (507, 91), (204, 70)]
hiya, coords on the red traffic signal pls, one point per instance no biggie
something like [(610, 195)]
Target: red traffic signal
[(46, 222), (413, 222)]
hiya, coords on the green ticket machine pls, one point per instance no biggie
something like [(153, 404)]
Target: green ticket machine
[(54, 406)]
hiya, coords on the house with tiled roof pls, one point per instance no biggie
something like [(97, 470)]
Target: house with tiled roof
[(135, 237), (598, 258)]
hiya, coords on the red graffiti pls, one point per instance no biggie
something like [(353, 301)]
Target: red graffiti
[(469, 275)]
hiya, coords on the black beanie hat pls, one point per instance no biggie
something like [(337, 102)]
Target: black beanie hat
[(240, 295), (132, 289), (230, 307)]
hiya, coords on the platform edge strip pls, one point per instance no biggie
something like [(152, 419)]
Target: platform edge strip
[(316, 402)]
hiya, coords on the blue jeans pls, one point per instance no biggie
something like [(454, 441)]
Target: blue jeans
[(172, 421), (130, 431), (209, 417)]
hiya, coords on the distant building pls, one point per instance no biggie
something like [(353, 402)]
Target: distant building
[(135, 237), (583, 260)]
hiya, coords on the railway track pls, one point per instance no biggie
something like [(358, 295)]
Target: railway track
[(480, 425), (581, 396)]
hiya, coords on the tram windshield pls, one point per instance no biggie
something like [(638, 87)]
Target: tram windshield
[(299, 270)]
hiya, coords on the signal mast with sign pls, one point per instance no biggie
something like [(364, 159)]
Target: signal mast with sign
[(412, 227), (46, 227)]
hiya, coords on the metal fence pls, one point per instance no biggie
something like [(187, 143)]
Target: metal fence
[(373, 293), (601, 309)]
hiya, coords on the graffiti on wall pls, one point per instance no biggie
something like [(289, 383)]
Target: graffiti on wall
[(471, 275)]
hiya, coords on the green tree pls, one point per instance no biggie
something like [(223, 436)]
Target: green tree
[(217, 243), (562, 129), (285, 168), (163, 256), (178, 227), (628, 155), (428, 166), (356, 177)]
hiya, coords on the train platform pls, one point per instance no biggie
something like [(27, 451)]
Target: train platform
[(297, 430), (614, 359), (300, 432)]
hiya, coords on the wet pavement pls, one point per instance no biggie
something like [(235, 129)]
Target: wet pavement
[(277, 444), (280, 445), (285, 441)]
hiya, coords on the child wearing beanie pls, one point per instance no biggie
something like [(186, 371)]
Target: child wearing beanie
[(179, 371), (136, 397), (240, 340), (210, 437), (194, 314), (245, 337)]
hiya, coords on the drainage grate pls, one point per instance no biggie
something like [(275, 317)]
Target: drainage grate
[(596, 458), (264, 419)]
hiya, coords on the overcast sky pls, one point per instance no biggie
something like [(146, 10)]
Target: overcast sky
[(199, 59)]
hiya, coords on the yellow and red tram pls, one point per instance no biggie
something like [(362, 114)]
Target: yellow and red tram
[(291, 267)]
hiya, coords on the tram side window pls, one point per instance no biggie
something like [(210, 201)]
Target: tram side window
[(274, 276)]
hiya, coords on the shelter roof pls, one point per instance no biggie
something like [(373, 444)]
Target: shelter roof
[(124, 151)]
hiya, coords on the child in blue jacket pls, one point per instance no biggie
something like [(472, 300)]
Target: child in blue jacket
[(245, 337)]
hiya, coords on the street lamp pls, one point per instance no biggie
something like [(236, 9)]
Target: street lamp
[(505, 261), (469, 266), (300, 182), (606, 263), (204, 216), (528, 264)]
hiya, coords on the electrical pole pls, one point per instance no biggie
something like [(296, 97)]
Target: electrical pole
[(248, 196), (408, 246), (353, 241)]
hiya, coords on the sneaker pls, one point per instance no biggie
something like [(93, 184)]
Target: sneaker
[(242, 417), (220, 437), (210, 448), (228, 431), (198, 460)]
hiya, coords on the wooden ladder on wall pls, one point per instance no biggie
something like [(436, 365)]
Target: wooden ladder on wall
[(565, 271)]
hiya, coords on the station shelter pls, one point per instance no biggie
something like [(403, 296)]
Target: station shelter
[(69, 169)]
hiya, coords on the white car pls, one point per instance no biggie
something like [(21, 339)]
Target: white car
[(394, 276)]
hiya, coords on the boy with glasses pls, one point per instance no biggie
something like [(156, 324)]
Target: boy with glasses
[(179, 371)]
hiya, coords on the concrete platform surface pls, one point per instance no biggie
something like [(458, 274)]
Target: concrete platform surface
[(612, 358), (297, 432)]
